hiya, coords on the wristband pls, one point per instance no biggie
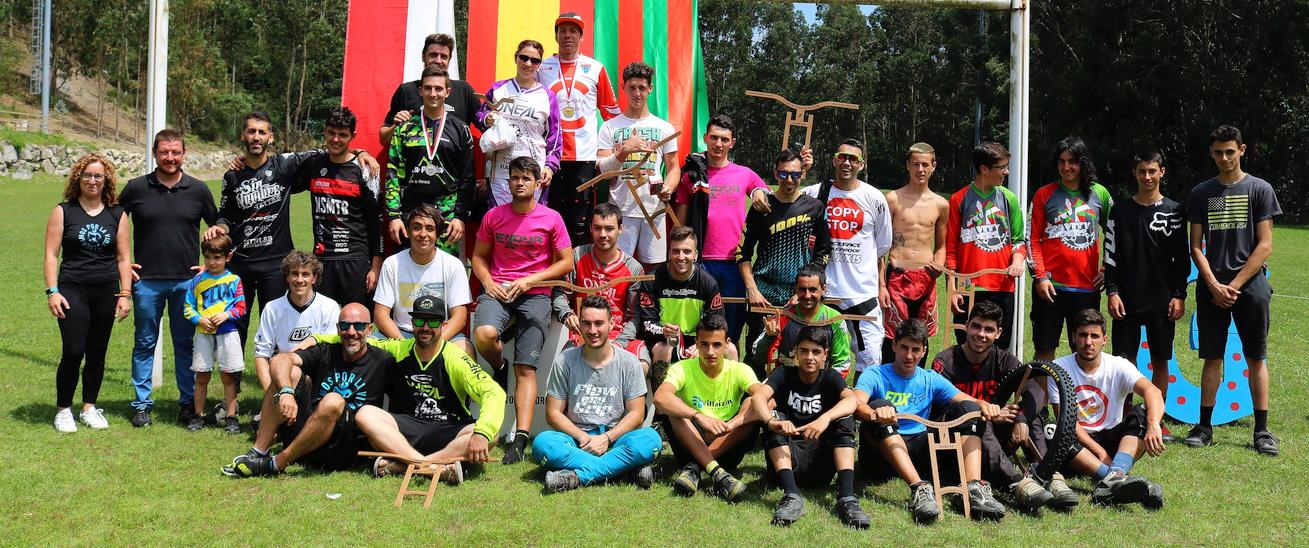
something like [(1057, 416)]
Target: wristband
[(51, 291), (609, 163), (284, 390), (608, 439)]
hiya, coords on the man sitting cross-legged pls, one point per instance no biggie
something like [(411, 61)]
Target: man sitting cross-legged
[(595, 400), (775, 346), (700, 401), (1114, 439), (429, 390), (812, 434), (322, 390), (901, 447)]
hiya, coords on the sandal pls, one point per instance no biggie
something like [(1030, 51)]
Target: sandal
[(381, 467)]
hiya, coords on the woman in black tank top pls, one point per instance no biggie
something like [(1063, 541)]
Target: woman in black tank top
[(90, 286)]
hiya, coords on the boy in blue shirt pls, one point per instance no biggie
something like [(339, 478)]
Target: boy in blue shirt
[(214, 303), (901, 447)]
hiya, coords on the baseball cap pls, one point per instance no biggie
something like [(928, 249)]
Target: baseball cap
[(570, 17), (427, 306)]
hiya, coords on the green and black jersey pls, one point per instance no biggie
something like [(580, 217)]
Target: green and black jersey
[(667, 300)]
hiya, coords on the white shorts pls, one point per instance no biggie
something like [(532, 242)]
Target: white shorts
[(222, 349), (638, 240), (871, 331)]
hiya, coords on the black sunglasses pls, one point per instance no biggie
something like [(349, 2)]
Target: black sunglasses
[(792, 175), (529, 59), (342, 327)]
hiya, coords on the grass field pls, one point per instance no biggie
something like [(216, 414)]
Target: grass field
[(162, 485)]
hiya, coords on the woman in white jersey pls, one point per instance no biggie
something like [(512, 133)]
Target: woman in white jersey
[(528, 126)]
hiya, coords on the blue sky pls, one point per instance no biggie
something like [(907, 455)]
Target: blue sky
[(810, 10)]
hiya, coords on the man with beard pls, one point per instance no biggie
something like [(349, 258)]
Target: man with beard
[(422, 270)]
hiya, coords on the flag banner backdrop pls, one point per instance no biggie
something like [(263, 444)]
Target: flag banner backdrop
[(662, 33)]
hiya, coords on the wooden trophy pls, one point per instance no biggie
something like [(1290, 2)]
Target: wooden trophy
[(638, 172), (799, 115)]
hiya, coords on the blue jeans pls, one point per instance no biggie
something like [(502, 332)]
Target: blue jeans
[(149, 298), (730, 284), (559, 451)]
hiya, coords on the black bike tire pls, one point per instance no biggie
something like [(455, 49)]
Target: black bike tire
[(1063, 444)]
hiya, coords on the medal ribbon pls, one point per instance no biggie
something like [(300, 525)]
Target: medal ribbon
[(429, 145)]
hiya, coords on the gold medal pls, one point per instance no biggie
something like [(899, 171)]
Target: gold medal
[(569, 112)]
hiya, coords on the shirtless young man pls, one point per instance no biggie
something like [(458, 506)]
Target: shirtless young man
[(918, 220)]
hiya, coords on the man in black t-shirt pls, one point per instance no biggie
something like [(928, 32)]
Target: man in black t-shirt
[(327, 384), (166, 207), (438, 49), (811, 431), (669, 308)]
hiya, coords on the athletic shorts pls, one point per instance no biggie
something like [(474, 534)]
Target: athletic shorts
[(346, 281), (1250, 313), (913, 296), (1049, 319), (530, 315), (812, 461), (340, 452), (637, 348), (638, 240), (865, 335), (879, 469), (217, 349), (730, 459), (1159, 333), (427, 436), (1133, 424)]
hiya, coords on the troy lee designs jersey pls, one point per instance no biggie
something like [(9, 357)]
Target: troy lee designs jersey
[(584, 91)]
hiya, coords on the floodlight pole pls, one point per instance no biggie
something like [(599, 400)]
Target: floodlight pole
[(156, 97)]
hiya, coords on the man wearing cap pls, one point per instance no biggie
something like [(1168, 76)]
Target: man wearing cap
[(584, 90), (429, 391)]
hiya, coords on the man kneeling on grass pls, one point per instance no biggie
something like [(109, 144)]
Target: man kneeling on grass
[(1117, 439), (429, 389), (595, 400), (901, 447), (700, 401), (812, 432), (327, 386)]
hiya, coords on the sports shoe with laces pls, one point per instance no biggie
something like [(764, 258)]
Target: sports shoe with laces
[(1064, 498), (186, 414), (246, 466), (64, 422), (642, 477), (1029, 495), (851, 514), (727, 486), (561, 480), (1266, 443), (1200, 436), (1154, 499), (94, 418), (141, 418), (922, 502), (983, 503), (687, 480), (514, 449), (231, 426), (788, 510), (1118, 488), (195, 424)]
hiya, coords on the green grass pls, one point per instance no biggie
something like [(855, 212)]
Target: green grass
[(162, 485), (21, 139)]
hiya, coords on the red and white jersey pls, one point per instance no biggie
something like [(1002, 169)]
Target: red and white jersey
[(583, 89)]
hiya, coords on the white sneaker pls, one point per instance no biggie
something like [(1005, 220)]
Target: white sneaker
[(95, 418), (64, 421)]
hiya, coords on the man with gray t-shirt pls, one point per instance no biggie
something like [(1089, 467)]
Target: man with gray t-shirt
[(1231, 240), (595, 401)]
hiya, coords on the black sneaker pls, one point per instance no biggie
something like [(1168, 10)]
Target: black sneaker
[(141, 418), (922, 502), (687, 480), (727, 486), (1118, 488), (245, 466), (982, 502), (851, 514), (559, 481), (1200, 436), (789, 510), (231, 426), (514, 449), (186, 414), (1266, 443), (195, 424), (642, 477), (1154, 500)]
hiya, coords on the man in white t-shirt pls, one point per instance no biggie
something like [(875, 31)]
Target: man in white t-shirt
[(624, 139), (422, 270), (294, 317), (1101, 384), (859, 222)]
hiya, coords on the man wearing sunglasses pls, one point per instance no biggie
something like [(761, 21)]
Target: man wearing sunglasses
[(918, 219), (323, 388), (859, 223), (422, 270)]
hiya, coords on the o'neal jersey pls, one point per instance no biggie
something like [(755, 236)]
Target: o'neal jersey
[(667, 300), (585, 94), (282, 326), (1065, 240), (982, 232), (346, 214), (255, 206)]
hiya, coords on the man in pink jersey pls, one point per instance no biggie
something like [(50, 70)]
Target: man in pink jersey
[(584, 92)]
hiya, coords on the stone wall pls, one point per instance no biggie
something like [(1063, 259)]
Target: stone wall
[(22, 162)]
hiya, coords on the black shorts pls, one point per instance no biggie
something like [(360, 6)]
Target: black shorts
[(262, 281), (997, 467), (1002, 299), (729, 460), (1250, 312), (574, 206), (1049, 319), (426, 436), (346, 281), (877, 468), (812, 461), (1159, 332), (340, 452), (1133, 424)]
